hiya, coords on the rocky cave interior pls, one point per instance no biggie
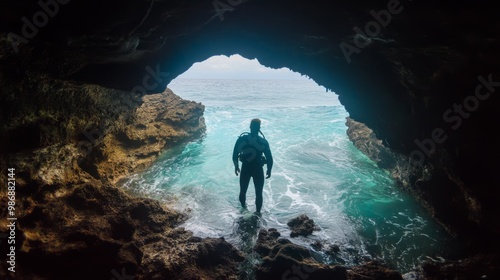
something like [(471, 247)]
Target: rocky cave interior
[(82, 107)]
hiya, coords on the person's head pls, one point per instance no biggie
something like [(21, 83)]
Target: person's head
[(255, 126)]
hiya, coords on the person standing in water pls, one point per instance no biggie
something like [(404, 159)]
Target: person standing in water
[(249, 149)]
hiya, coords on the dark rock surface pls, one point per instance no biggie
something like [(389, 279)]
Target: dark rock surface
[(162, 121), (92, 231), (477, 267), (281, 259), (366, 141), (302, 226), (373, 270)]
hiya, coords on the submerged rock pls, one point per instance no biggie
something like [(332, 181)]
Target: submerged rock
[(302, 225)]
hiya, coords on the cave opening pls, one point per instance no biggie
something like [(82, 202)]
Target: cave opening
[(317, 171), (66, 85)]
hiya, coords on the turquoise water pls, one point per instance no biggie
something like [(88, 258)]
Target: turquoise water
[(317, 172)]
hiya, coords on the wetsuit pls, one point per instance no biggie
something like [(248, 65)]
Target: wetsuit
[(249, 149)]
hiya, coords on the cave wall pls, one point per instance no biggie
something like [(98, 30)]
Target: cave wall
[(400, 79)]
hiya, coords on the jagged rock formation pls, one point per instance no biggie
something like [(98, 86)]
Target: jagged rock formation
[(161, 122), (478, 267), (422, 76), (366, 141), (401, 169), (302, 225), (281, 259)]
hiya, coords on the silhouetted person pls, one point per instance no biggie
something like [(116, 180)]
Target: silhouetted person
[(249, 149)]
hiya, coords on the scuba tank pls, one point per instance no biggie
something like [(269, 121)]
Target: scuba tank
[(263, 158)]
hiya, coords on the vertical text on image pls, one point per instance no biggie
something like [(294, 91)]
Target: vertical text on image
[(11, 219)]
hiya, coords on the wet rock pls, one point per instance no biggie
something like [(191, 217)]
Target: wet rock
[(302, 225), (373, 270), (265, 240), (333, 249), (481, 266), (336, 256), (413, 275), (273, 233)]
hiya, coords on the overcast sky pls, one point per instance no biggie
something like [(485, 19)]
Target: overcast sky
[(236, 67)]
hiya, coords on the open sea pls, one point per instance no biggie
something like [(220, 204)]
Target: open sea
[(317, 171)]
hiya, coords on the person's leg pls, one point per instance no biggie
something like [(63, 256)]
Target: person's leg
[(244, 181), (258, 181)]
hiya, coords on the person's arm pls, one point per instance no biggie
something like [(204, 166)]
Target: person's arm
[(235, 158), (269, 160)]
